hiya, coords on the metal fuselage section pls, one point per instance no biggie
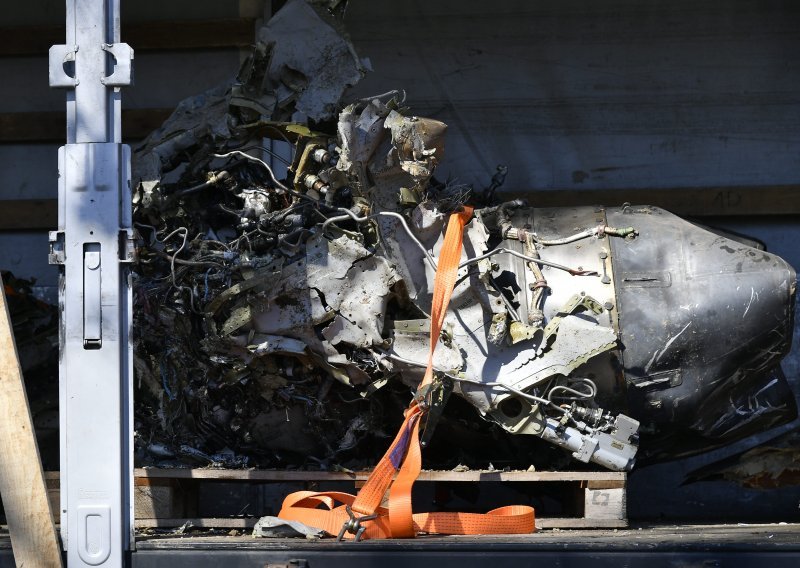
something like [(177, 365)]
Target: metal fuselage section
[(677, 328), (702, 322)]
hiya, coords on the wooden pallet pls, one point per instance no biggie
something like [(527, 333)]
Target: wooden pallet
[(165, 498)]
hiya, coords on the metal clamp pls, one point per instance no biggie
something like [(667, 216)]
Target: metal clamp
[(123, 70), (127, 246), (353, 525), (59, 55), (57, 250)]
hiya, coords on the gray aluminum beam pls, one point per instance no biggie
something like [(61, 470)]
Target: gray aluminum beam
[(93, 245)]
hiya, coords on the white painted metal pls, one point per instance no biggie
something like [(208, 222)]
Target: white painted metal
[(93, 246)]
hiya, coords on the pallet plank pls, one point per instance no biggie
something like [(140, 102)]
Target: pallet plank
[(155, 502), (249, 523), (202, 523), (579, 523), (25, 499), (163, 496), (425, 475), (605, 484), (605, 504)]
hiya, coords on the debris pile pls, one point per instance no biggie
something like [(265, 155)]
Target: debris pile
[(283, 320), (247, 351), (269, 313)]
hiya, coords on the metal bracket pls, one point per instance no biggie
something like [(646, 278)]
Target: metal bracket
[(436, 399), (123, 69), (59, 55), (57, 253), (587, 449), (127, 246), (576, 302)]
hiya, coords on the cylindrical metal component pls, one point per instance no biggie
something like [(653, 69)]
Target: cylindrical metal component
[(321, 155), (586, 448), (313, 182)]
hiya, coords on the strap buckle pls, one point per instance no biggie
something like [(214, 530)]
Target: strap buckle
[(433, 398), (353, 525)]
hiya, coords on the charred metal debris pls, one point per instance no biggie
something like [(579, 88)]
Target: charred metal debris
[(281, 319)]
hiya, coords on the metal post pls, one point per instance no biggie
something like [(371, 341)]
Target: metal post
[(93, 245)]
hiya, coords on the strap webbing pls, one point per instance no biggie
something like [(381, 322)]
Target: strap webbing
[(400, 466)]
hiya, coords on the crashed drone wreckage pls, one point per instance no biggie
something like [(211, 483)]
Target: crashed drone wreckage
[(273, 315)]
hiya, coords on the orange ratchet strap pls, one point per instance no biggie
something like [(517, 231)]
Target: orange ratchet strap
[(362, 516)]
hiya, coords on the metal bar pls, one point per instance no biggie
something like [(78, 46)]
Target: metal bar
[(93, 247)]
